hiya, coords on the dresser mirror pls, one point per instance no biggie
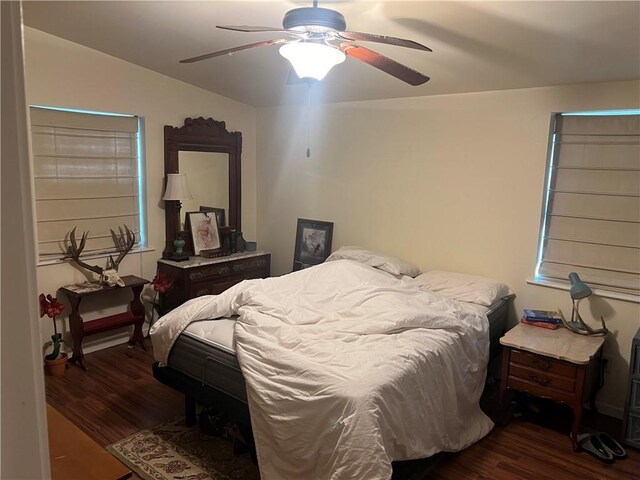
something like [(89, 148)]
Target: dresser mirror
[(207, 176), (209, 156)]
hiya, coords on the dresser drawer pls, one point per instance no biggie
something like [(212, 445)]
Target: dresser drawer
[(229, 269), (541, 378), (634, 394), (547, 365), (635, 358), (632, 431), (199, 289)]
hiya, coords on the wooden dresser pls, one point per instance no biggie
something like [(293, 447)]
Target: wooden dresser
[(210, 276)]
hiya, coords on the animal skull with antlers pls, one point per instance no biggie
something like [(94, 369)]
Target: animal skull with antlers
[(124, 242)]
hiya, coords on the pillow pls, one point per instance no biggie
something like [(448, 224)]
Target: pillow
[(389, 264), (462, 287)]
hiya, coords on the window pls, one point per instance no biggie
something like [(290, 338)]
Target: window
[(87, 173), (591, 215)]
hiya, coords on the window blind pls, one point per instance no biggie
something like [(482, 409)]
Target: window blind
[(85, 175), (591, 223)]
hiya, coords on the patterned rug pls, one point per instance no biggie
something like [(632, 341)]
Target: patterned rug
[(172, 451)]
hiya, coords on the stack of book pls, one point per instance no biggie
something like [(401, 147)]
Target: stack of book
[(541, 318)]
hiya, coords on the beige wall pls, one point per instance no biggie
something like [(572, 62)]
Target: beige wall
[(24, 452), (64, 74), (449, 182)]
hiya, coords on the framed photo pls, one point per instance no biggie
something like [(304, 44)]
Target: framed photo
[(313, 243), (204, 231), (219, 214)]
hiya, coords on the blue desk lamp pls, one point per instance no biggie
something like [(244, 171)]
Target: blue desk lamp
[(578, 291)]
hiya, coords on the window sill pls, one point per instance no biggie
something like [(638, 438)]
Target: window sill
[(626, 297), (58, 261)]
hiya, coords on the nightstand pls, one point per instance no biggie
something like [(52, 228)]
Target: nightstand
[(555, 364)]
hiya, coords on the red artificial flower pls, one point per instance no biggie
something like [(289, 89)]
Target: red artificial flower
[(161, 283), (50, 306)]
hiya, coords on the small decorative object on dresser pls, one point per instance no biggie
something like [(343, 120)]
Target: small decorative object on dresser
[(631, 428), (313, 243), (555, 364), (210, 276)]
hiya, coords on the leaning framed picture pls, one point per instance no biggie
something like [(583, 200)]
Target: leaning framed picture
[(204, 231), (313, 243), (220, 216)]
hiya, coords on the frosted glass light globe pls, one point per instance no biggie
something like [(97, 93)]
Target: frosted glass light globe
[(312, 60)]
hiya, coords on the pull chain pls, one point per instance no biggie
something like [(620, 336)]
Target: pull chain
[(308, 120)]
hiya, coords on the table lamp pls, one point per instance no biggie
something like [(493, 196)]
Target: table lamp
[(578, 291), (177, 190)]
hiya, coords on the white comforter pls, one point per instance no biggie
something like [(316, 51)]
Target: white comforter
[(348, 368)]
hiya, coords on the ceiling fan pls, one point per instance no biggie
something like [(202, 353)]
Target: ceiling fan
[(318, 41)]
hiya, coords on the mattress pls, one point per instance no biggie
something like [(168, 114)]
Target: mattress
[(205, 350)]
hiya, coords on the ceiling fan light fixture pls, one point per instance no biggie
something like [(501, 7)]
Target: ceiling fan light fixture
[(312, 60)]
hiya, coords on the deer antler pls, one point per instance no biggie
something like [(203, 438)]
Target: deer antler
[(75, 251), (124, 242)]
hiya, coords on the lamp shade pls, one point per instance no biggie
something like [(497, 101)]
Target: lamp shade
[(578, 289), (177, 188), (311, 60)]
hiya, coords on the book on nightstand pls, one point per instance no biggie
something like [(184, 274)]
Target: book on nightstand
[(550, 316), (545, 324)]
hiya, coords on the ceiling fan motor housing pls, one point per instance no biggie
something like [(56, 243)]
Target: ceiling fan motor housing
[(314, 17)]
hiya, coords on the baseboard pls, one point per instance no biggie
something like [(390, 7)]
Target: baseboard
[(610, 410)]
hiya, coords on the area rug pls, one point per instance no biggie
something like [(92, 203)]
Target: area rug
[(172, 451)]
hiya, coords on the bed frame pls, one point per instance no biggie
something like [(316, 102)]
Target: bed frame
[(197, 392)]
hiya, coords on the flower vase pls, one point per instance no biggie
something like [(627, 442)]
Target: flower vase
[(57, 367)]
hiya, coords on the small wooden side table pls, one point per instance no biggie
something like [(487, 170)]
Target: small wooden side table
[(555, 364), (80, 329)]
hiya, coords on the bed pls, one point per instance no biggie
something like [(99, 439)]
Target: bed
[(205, 360)]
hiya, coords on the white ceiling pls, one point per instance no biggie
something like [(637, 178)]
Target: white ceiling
[(477, 46)]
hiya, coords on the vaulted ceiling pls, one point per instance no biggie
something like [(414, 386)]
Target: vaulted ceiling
[(477, 46)]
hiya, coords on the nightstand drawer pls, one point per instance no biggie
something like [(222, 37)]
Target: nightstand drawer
[(636, 355), (541, 378), (548, 365)]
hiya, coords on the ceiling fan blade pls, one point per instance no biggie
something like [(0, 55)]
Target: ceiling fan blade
[(249, 28), (370, 37), (233, 50), (401, 72)]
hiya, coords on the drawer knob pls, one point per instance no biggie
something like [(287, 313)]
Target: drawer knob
[(224, 270), (237, 267), (542, 364), (540, 380)]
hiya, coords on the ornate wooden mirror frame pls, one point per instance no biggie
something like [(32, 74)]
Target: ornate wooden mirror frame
[(200, 135)]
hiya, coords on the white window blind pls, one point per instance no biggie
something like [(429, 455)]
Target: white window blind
[(86, 175), (591, 223)]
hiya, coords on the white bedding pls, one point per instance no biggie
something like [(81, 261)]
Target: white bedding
[(348, 368)]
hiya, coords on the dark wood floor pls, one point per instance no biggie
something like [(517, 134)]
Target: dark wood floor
[(118, 396)]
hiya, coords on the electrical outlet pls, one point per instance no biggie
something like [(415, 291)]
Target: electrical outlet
[(606, 359)]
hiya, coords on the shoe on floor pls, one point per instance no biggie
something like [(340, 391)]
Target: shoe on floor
[(612, 445), (593, 446)]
